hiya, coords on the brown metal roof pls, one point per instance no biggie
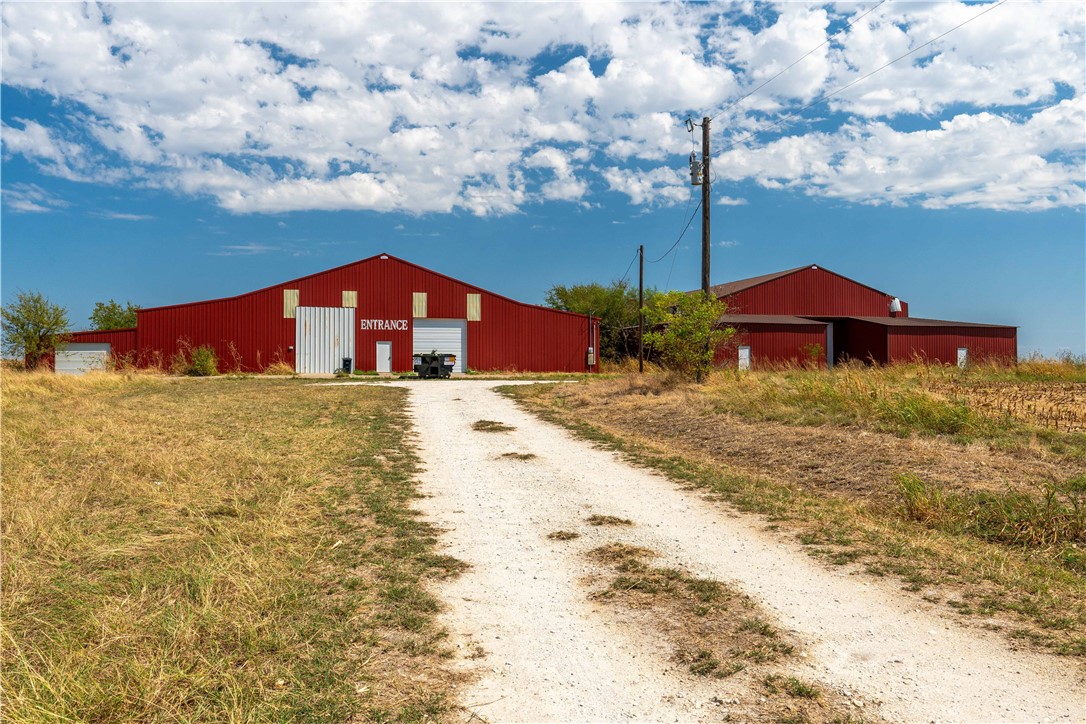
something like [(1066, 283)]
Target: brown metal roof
[(723, 290), (728, 288), (920, 322), (745, 319)]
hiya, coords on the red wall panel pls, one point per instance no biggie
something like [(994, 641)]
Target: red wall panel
[(774, 344), (940, 344), (121, 341), (812, 293), (249, 331)]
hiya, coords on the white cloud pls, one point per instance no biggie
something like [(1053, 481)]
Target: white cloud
[(251, 248), (659, 185), (30, 198), (983, 160), (730, 201), (118, 216), (443, 107)]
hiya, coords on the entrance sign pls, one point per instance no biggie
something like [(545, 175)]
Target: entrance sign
[(384, 324)]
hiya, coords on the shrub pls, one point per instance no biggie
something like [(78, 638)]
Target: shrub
[(205, 362), (200, 361)]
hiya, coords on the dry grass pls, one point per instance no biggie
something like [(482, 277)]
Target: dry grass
[(491, 426), (1055, 405), (563, 535), (279, 368), (518, 456), (177, 550), (833, 483), (714, 631), (607, 520)]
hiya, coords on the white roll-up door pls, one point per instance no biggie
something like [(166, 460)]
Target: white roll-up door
[(446, 336), (76, 358), (323, 336)]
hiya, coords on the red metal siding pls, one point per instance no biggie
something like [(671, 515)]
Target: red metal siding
[(249, 331), (812, 293), (940, 344), (775, 344), (121, 341)]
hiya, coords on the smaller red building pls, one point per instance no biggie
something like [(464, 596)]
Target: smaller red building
[(813, 315)]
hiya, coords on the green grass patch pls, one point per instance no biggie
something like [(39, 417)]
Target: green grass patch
[(1055, 517)]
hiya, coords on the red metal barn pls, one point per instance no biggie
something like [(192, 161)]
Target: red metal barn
[(784, 317), (379, 312)]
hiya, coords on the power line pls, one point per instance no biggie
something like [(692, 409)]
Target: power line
[(827, 96), (681, 235), (736, 102), (629, 267)]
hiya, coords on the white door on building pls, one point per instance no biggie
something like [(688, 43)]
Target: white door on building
[(77, 358), (384, 356), (963, 356), (323, 336), (445, 336), (744, 357)]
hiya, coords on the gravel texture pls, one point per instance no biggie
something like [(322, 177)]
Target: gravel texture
[(541, 651)]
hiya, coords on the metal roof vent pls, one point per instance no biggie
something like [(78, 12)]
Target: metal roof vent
[(384, 256), (895, 305)]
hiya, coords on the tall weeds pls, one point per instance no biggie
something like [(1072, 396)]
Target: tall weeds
[(1051, 519)]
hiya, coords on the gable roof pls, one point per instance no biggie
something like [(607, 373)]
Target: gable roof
[(729, 288), (383, 256)]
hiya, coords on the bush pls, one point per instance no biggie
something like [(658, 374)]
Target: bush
[(205, 362), (200, 361)]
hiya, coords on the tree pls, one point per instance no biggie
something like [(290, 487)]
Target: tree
[(33, 327), (112, 315), (685, 330), (615, 305)]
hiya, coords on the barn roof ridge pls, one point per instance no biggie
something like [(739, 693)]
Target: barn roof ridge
[(739, 285)]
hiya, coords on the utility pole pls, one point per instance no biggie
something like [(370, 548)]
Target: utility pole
[(641, 313), (705, 202)]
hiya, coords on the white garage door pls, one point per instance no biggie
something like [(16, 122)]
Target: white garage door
[(447, 336), (323, 336), (77, 358)]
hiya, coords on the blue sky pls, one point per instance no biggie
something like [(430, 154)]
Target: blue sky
[(164, 153)]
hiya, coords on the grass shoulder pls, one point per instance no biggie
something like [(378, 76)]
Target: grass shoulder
[(185, 551), (1030, 585)]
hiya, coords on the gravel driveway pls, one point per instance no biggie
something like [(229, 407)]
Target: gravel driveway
[(541, 651)]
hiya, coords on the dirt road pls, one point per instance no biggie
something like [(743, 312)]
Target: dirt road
[(542, 650)]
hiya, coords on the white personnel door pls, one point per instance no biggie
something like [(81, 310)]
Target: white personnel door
[(323, 336), (446, 336), (744, 358), (384, 356), (963, 356), (77, 358)]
